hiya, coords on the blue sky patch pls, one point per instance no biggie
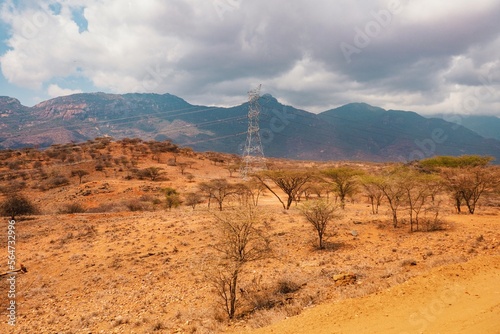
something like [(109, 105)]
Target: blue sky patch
[(77, 14)]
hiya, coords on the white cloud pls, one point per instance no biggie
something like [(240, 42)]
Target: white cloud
[(54, 91), (212, 52)]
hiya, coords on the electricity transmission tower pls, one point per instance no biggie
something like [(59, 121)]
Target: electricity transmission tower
[(253, 154)]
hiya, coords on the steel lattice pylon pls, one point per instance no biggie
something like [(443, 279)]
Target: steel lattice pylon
[(253, 153)]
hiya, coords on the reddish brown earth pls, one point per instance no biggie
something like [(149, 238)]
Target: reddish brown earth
[(463, 298), (146, 271)]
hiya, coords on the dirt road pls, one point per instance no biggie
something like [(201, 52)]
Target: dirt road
[(461, 298)]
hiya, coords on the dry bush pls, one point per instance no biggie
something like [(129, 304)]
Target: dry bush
[(15, 165), (158, 326), (192, 199), (240, 241), (278, 295), (107, 207), (54, 181), (287, 285), (319, 214), (261, 299), (71, 208), (12, 187), (266, 317), (150, 198), (136, 205), (431, 225)]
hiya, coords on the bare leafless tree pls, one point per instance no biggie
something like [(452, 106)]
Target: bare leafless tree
[(393, 190), (319, 213), (371, 187), (192, 199), (240, 240)]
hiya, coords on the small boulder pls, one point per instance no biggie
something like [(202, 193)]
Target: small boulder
[(344, 279)]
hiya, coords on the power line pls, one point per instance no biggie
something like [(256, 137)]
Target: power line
[(373, 129), (253, 153)]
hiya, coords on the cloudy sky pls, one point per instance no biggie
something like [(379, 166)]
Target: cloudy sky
[(429, 56)]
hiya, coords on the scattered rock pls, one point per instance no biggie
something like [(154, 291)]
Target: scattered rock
[(344, 279)]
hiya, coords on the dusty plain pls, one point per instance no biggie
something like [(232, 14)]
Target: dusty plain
[(145, 271)]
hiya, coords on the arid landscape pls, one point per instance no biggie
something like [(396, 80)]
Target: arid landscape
[(125, 240)]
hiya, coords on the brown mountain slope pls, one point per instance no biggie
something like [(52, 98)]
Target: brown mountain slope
[(355, 131)]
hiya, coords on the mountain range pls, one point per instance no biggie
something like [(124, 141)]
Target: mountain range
[(356, 131)]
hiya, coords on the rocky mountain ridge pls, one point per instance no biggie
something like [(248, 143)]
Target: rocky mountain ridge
[(355, 131)]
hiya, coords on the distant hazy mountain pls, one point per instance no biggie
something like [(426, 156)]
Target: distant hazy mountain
[(486, 126), (397, 134), (355, 131)]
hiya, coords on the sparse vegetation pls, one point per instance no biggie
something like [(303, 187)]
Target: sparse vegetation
[(290, 182), (217, 189), (320, 213), (172, 198), (192, 199), (17, 205), (151, 173), (80, 173), (72, 208), (240, 242), (178, 251), (344, 181)]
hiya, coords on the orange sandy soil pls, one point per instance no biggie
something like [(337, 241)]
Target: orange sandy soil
[(145, 272), (461, 298)]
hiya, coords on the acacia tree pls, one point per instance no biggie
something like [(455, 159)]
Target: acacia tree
[(233, 168), (418, 189), (182, 167), (172, 198), (240, 241), (255, 189), (17, 205), (80, 173), (466, 177), (218, 189), (464, 161), (192, 199), (393, 190), (344, 181), (290, 182), (371, 186), (466, 185), (319, 214), (152, 173)]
